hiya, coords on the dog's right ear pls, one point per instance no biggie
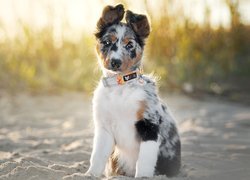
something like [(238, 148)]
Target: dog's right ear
[(110, 15)]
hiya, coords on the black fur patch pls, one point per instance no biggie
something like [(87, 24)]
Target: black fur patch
[(133, 54), (160, 120), (147, 130), (114, 47), (169, 166), (112, 30), (164, 108), (104, 50)]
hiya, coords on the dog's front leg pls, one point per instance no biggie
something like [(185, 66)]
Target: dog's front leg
[(149, 148), (145, 165), (102, 149)]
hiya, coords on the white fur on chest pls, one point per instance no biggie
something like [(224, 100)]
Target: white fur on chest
[(115, 109)]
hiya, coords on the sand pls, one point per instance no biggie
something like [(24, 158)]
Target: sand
[(50, 137)]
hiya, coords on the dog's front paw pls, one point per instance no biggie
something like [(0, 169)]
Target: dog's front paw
[(143, 174), (85, 176), (90, 176), (90, 173)]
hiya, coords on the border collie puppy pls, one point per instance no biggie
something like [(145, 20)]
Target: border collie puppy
[(135, 134)]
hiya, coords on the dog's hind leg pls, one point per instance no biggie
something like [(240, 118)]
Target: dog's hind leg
[(169, 157)]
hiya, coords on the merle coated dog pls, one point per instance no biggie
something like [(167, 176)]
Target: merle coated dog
[(135, 133)]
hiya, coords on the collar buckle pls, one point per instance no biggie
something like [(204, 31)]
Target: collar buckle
[(120, 79)]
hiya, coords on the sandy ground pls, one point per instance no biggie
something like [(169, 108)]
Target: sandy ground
[(50, 137)]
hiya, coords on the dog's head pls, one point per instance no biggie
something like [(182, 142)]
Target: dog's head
[(120, 45)]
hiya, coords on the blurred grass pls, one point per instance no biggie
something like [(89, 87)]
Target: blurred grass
[(199, 55), (196, 58), (207, 59), (35, 62)]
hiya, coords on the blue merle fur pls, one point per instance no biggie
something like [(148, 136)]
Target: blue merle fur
[(157, 125)]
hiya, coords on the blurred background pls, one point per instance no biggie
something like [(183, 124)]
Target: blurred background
[(196, 46)]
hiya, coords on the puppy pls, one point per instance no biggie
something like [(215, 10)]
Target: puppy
[(135, 134)]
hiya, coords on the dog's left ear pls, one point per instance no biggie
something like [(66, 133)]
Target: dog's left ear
[(139, 23)]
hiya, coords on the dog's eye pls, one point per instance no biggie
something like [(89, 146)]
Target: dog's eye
[(129, 45), (106, 43)]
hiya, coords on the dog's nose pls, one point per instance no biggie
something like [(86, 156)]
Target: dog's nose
[(116, 63)]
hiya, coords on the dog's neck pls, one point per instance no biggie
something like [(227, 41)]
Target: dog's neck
[(112, 78)]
